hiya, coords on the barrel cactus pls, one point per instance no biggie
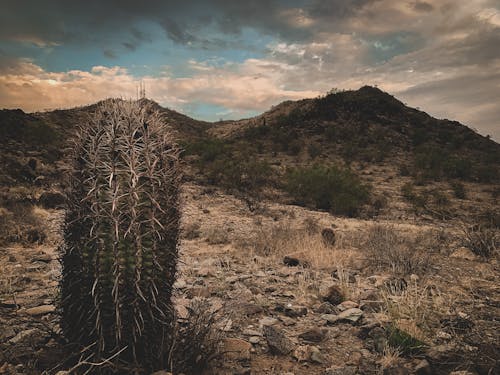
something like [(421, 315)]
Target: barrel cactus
[(120, 237)]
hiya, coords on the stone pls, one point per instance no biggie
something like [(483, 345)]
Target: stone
[(347, 305), (463, 372), (6, 333), (333, 295), (326, 308), (349, 315), (277, 341), (313, 335), (346, 370), (291, 311), (251, 332), (423, 367), (249, 309), (40, 310), (291, 261), (161, 372), (328, 236), (235, 348), (26, 336), (316, 355), (302, 353), (254, 340), (267, 321)]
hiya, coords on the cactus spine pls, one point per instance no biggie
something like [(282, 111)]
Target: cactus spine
[(121, 233)]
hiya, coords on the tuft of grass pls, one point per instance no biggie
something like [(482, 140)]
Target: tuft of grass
[(390, 248), (481, 240)]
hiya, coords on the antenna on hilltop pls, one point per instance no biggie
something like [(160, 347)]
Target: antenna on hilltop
[(141, 90)]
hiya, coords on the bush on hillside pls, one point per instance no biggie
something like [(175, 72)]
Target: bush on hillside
[(327, 187)]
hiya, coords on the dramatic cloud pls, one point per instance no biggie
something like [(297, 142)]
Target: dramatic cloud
[(238, 58)]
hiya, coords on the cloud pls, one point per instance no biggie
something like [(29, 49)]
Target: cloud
[(248, 87)]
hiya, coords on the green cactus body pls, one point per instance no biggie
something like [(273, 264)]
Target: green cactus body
[(120, 252)]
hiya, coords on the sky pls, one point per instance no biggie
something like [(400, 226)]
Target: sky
[(229, 59)]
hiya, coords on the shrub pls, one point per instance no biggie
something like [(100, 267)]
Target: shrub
[(389, 248), (120, 251), (481, 240), (327, 187), (458, 190), (19, 224), (314, 150)]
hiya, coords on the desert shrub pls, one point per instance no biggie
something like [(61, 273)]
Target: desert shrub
[(217, 235), (208, 149), (119, 255), (19, 224), (196, 339), (458, 189), (314, 150), (327, 187), (294, 147), (389, 248), (417, 200), (481, 240)]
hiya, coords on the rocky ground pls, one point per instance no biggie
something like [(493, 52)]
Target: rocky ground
[(291, 297)]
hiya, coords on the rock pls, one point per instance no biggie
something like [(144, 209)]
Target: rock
[(6, 333), (455, 324), (162, 372), (316, 355), (291, 261), (267, 321), (254, 340), (442, 353), (326, 308), (277, 340), (43, 257), (302, 353), (236, 348), (249, 309), (423, 368), (464, 253), (349, 315), (291, 311), (346, 305), (463, 372), (333, 295), (40, 310), (27, 336), (313, 335), (346, 370), (328, 236), (251, 332)]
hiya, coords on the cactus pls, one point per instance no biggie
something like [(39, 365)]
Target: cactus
[(121, 232)]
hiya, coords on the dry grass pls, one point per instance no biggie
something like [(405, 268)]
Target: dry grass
[(482, 241), (418, 309), (305, 243), (20, 224), (390, 248)]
